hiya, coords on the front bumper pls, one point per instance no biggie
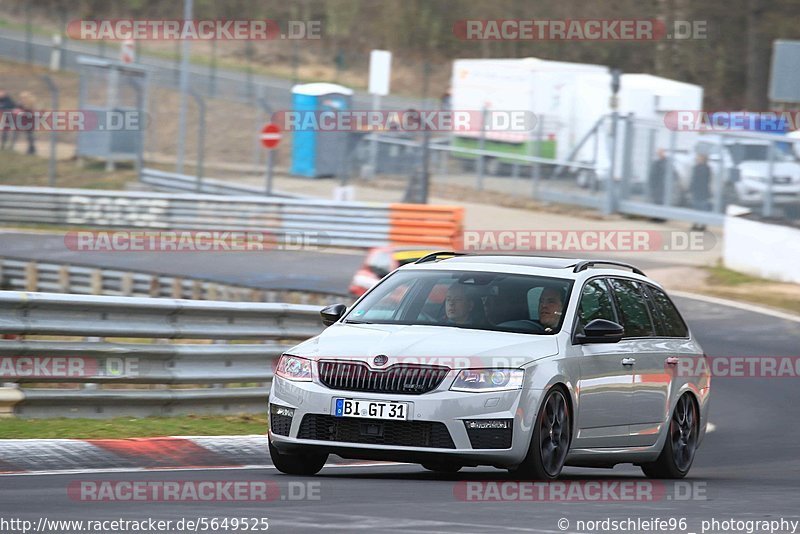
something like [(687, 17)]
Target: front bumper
[(450, 408)]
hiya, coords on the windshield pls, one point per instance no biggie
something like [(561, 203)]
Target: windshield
[(754, 152), (481, 301)]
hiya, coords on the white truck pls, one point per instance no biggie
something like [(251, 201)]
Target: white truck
[(568, 100)]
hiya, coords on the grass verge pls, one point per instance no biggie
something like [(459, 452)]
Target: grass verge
[(733, 285), (128, 427), (24, 170)]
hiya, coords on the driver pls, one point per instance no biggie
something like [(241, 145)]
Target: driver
[(459, 305), (551, 306)]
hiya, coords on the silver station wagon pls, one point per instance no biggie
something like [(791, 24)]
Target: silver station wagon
[(522, 363)]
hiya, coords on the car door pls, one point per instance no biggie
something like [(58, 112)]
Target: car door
[(648, 352), (604, 386), (657, 378)]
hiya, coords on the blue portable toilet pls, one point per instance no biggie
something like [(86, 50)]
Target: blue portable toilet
[(314, 153)]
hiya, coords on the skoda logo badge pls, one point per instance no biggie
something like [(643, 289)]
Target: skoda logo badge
[(380, 359)]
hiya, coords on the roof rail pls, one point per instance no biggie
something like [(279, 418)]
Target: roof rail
[(583, 265), (440, 255)]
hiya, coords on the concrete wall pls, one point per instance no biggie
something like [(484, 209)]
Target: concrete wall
[(765, 250)]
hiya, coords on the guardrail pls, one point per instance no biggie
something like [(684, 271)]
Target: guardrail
[(28, 275), (312, 223), (114, 374), (172, 181)]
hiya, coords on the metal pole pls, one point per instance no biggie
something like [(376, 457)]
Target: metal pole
[(28, 34), (270, 161), (426, 139), (248, 54), (201, 137), (668, 185), (481, 146), (721, 171), (718, 199), (373, 147), (627, 155), (61, 55), (767, 210), (257, 148), (184, 89), (212, 75), (51, 171), (610, 185), (536, 170)]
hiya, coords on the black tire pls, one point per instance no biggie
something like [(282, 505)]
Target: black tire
[(442, 467), (551, 439), (680, 446), (302, 464)]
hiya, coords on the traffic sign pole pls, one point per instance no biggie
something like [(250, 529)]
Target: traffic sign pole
[(270, 159), (270, 137)]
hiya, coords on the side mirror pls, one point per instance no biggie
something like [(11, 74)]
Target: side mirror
[(331, 314), (600, 331)]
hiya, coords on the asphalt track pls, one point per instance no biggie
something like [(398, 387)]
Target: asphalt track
[(747, 469), (326, 270), (307, 270)]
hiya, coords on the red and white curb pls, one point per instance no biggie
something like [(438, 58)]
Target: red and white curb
[(21, 455)]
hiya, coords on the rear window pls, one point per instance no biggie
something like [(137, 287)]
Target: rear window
[(632, 307), (670, 323)]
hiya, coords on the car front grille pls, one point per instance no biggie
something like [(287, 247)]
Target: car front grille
[(376, 432), (398, 378)]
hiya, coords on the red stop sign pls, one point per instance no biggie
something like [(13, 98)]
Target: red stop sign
[(270, 135)]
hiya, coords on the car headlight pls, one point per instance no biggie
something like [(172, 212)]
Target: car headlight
[(294, 368), (484, 380)]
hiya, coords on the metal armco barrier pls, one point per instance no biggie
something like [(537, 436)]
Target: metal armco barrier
[(172, 181), (124, 368), (27, 275), (294, 222)]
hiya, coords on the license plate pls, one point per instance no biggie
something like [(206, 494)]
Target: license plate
[(367, 409)]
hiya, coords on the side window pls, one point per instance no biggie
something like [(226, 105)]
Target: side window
[(632, 307), (595, 303), (671, 324)]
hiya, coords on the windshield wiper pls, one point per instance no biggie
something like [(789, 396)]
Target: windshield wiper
[(355, 321)]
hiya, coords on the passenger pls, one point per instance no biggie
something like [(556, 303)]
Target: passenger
[(551, 306)]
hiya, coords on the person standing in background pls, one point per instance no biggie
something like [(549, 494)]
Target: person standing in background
[(7, 105), (700, 187), (27, 103)]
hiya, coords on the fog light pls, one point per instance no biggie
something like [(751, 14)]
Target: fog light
[(276, 409), (483, 424)]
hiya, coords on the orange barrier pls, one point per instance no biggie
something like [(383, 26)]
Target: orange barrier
[(428, 225)]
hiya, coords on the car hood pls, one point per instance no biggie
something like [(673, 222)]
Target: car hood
[(456, 348), (761, 168)]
